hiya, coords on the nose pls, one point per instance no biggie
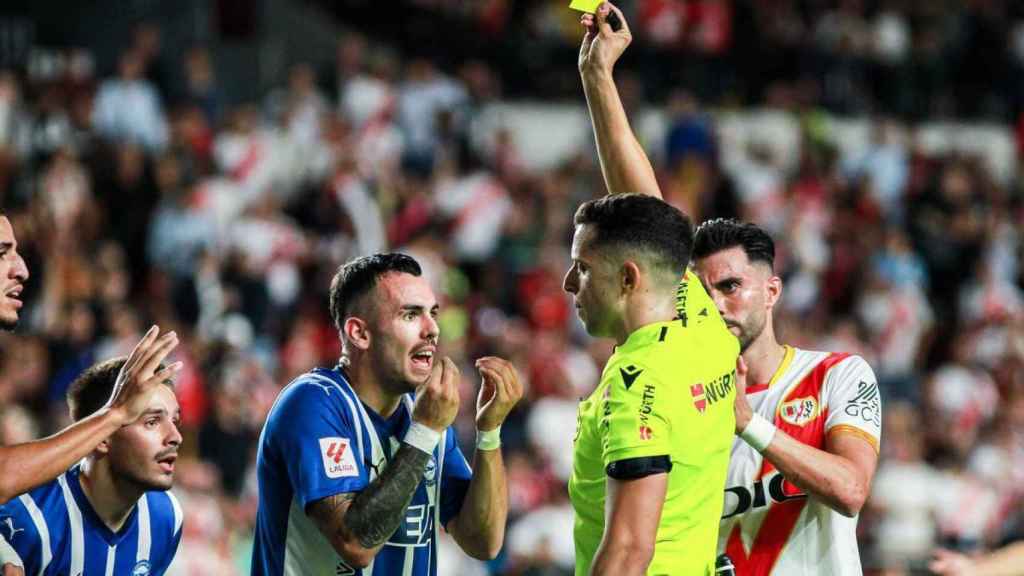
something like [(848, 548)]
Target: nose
[(431, 330), (173, 436), (20, 270), (569, 283)]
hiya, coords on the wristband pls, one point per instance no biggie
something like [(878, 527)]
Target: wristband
[(758, 433), (422, 437), (488, 440)]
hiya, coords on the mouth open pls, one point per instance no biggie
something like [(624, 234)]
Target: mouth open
[(15, 295), (423, 358), (167, 463)]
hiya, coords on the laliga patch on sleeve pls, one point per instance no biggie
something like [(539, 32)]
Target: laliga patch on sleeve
[(339, 461), (588, 6)]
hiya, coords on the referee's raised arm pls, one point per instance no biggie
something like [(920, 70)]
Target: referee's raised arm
[(624, 164)]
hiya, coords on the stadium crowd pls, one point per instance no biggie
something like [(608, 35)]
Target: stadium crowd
[(146, 197)]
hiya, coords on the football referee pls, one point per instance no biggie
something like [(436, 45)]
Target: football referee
[(653, 439)]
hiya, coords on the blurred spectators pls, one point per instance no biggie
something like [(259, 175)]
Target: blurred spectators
[(225, 222)]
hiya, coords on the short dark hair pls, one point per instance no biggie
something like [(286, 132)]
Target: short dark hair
[(358, 277), (723, 233), (91, 390), (640, 222)]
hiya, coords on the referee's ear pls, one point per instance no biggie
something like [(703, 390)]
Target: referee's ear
[(630, 276)]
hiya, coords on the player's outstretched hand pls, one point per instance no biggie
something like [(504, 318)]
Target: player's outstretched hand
[(741, 407), (500, 390), (141, 374), (602, 45), (949, 563), (437, 399)]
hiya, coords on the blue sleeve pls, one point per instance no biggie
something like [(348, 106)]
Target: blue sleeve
[(312, 431), (454, 478), (17, 527)]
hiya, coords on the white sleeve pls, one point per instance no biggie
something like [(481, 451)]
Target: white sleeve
[(854, 401), (8, 555)]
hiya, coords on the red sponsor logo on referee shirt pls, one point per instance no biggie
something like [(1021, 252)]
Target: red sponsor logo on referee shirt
[(699, 401)]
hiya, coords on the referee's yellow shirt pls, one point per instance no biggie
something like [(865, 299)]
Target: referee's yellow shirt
[(667, 391)]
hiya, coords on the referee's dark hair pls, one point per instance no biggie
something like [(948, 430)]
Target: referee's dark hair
[(91, 390), (358, 278), (719, 234), (640, 222)]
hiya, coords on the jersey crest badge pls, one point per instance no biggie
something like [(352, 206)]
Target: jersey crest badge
[(799, 411)]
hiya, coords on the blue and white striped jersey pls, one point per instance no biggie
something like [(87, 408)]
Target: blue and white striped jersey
[(320, 440), (57, 533)]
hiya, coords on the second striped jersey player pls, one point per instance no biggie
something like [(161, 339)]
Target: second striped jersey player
[(769, 525), (113, 513)]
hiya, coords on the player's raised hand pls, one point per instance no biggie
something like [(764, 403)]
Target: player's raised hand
[(437, 399), (948, 563), (500, 390), (602, 46), (141, 374), (741, 407)]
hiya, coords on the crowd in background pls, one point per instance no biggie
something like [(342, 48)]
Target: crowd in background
[(913, 58), (147, 197)]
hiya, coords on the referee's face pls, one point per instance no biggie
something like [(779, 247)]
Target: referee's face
[(591, 283)]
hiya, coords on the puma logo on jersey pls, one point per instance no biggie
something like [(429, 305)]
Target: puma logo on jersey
[(10, 526), (630, 374)]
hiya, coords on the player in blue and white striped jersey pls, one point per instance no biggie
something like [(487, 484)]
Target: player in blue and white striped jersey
[(358, 466), (113, 513)]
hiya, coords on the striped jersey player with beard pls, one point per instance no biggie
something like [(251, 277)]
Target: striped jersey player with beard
[(809, 423)]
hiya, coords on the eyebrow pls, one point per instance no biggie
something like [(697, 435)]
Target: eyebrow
[(727, 280), (6, 245), (418, 307)]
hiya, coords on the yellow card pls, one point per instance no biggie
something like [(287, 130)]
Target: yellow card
[(588, 6)]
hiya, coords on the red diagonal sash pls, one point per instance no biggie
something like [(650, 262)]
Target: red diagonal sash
[(782, 516)]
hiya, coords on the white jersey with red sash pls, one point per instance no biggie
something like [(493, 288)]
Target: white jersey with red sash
[(769, 526)]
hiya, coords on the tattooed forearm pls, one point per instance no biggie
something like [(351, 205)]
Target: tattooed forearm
[(377, 511)]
